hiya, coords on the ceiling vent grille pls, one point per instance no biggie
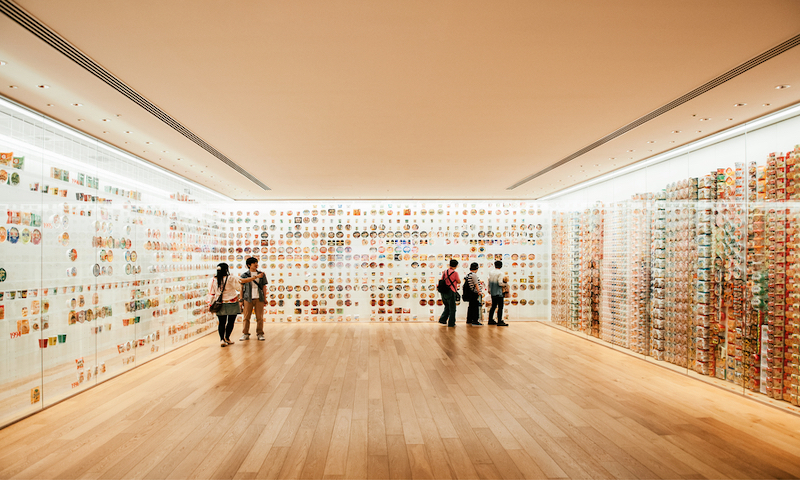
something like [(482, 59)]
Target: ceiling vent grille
[(30, 23), (753, 62)]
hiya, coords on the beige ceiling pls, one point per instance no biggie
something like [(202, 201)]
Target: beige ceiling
[(401, 99)]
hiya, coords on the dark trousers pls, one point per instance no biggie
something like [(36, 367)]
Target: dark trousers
[(497, 303), (225, 326), (449, 313), (474, 311)]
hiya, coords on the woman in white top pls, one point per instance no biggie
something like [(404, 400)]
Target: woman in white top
[(230, 288)]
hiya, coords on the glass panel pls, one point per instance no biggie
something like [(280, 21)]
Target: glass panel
[(704, 258)]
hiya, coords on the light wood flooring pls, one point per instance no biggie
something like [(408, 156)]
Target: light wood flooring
[(403, 401)]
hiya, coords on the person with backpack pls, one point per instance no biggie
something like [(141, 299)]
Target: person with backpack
[(474, 295), (448, 287), (498, 289)]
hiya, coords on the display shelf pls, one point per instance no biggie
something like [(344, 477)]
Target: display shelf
[(614, 276), (707, 268), (102, 267), (638, 230), (380, 262)]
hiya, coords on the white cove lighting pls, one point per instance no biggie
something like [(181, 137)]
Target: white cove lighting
[(697, 145)]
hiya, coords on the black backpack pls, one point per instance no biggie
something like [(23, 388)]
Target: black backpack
[(468, 293), (443, 287)]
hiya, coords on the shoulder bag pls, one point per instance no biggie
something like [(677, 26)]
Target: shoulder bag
[(216, 305)]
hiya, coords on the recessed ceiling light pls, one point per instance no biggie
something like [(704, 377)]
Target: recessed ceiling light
[(629, 151), (49, 104), (612, 158), (12, 86), (739, 104), (148, 143), (676, 131), (730, 119), (105, 131), (652, 141), (699, 131), (765, 105), (704, 119), (2, 63), (127, 131), (80, 119), (164, 151), (596, 164), (77, 104), (106, 119), (781, 87), (43, 86)]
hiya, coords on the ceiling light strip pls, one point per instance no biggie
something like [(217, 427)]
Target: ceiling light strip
[(35, 117), (764, 121), (753, 62), (30, 23)]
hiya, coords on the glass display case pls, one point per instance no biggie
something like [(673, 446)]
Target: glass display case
[(102, 266), (700, 268)]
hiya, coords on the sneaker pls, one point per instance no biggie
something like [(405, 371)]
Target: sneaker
[(443, 323), (502, 324), (222, 343), (228, 341), (492, 322), (261, 337), (246, 336)]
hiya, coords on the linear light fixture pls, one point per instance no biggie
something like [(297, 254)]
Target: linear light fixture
[(37, 117), (730, 74), (690, 147), (44, 33)]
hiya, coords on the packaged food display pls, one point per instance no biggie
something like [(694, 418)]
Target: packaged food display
[(702, 274)]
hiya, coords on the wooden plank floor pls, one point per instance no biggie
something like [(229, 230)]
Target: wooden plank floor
[(403, 401)]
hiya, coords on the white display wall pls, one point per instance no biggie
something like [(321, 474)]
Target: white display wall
[(104, 262), (362, 261)]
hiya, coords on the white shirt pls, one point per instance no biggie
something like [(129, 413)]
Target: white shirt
[(232, 289)]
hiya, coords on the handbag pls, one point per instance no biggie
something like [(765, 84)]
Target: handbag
[(216, 305)]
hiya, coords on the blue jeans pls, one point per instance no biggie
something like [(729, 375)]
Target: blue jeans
[(449, 314)]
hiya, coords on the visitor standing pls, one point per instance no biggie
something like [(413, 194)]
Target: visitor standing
[(254, 296), (472, 289), (498, 285), (451, 281), (226, 287)]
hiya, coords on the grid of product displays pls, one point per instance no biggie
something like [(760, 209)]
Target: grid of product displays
[(101, 267), (702, 274), (367, 261)]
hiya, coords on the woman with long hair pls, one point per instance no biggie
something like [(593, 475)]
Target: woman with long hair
[(228, 287)]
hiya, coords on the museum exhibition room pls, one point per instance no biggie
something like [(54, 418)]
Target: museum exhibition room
[(235, 236)]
